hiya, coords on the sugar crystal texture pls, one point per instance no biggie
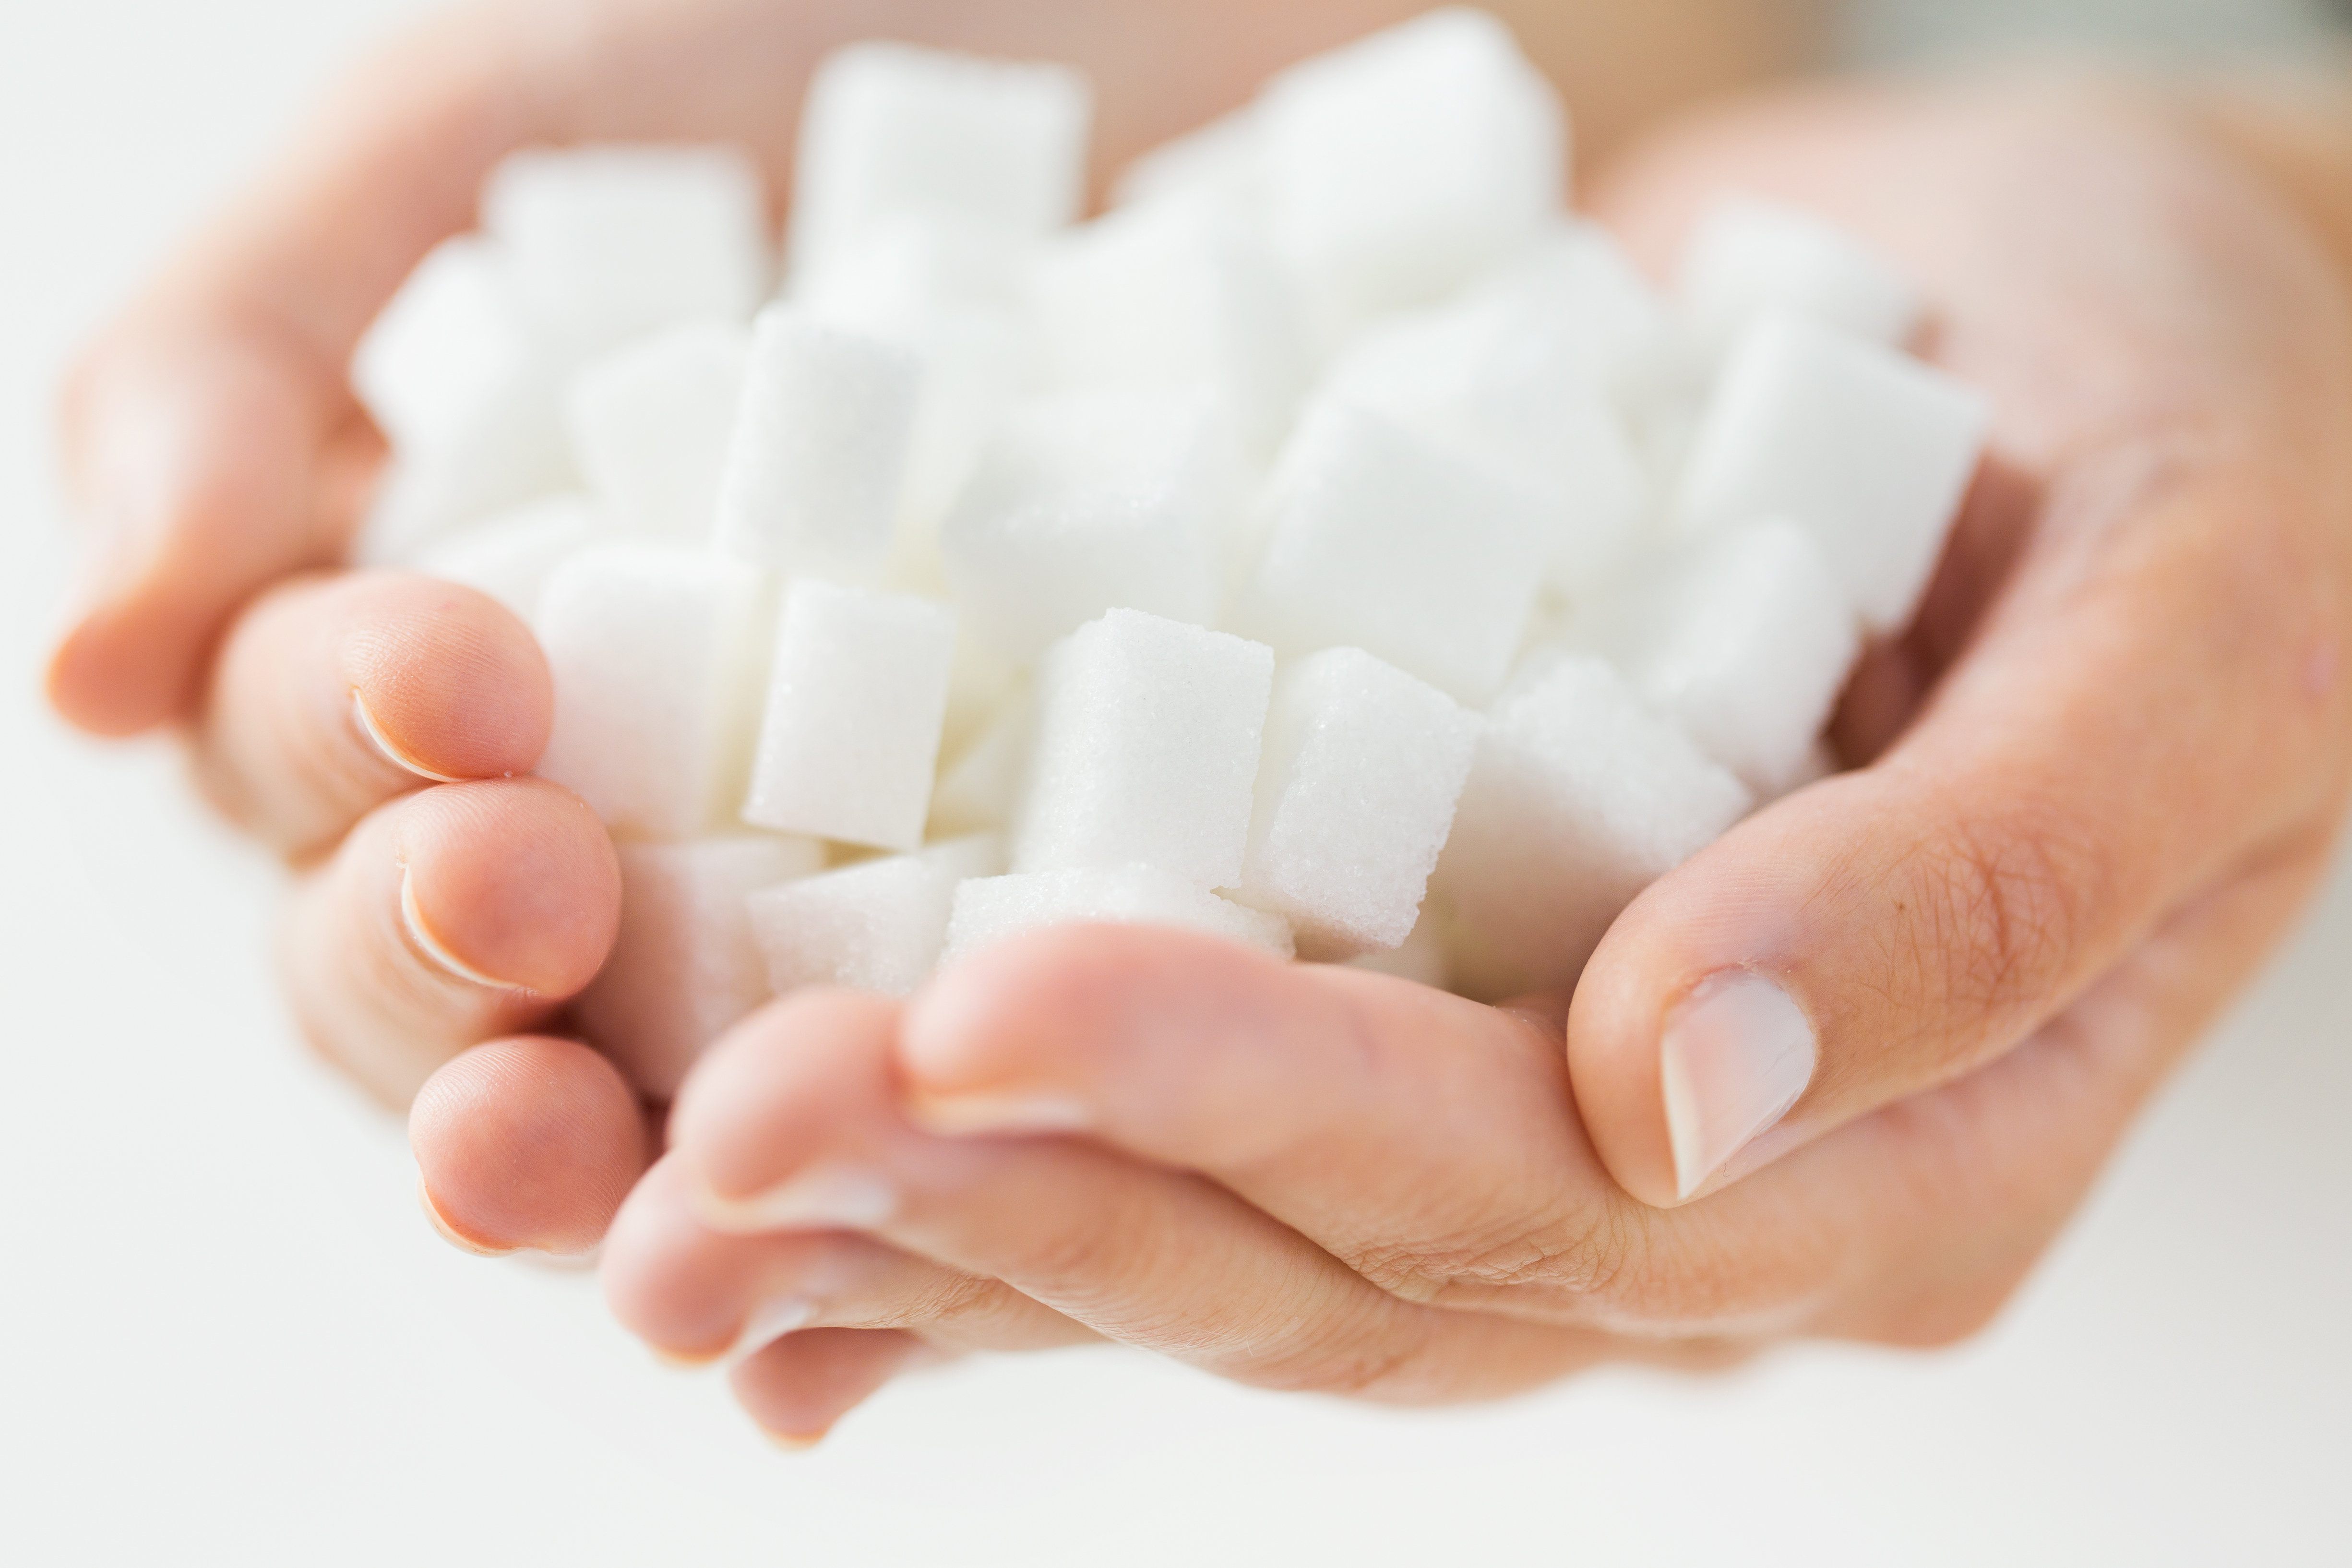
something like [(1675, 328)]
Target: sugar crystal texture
[(686, 966), (1146, 751), (992, 909), (610, 243), (878, 926), (1579, 798), (981, 791), (1356, 791), (510, 556), (1746, 645), (855, 699), (1178, 292), (811, 475), (1871, 451), (1513, 384), (1399, 166), (650, 422), (1751, 258), (1089, 501), (467, 391), (1421, 957), (889, 130), (655, 652), (1402, 546)]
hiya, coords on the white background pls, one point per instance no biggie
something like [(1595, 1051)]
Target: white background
[(229, 1338)]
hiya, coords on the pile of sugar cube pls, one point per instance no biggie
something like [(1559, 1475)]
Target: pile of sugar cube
[(1336, 546)]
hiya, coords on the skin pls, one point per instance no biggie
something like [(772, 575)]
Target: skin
[(2104, 771)]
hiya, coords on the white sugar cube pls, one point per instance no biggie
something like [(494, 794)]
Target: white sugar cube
[(1399, 544), (512, 556), (1751, 258), (649, 424), (1090, 502), (1579, 277), (1223, 161), (654, 650), (1421, 957), (1579, 798), (467, 391), (1175, 293), (819, 448), (1871, 451), (685, 967), (1146, 751), (1399, 166), (1515, 385), (981, 791), (855, 699), (876, 927), (610, 243), (1746, 645), (1356, 791), (889, 130), (996, 908)]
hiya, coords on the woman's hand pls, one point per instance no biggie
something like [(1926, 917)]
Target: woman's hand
[(375, 728), (2104, 774)]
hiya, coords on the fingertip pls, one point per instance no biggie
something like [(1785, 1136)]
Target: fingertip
[(773, 1083), (512, 882), (449, 684), (798, 1389), (530, 1143), (110, 675)]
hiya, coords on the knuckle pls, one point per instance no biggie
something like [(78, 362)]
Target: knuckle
[(1993, 911), (1588, 1253)]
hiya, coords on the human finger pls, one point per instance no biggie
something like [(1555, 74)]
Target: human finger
[(800, 1386), (527, 1144), (793, 1123), (695, 1294), (457, 915), (333, 695)]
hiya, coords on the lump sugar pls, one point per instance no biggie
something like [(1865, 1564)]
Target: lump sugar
[(654, 654), (685, 967), (611, 242), (1579, 798), (1870, 451), (1355, 796), (649, 424), (1397, 167), (512, 556), (1146, 751), (875, 927), (992, 909), (818, 449), (855, 699), (890, 130), (1751, 258), (1393, 542), (1175, 293), (1088, 501), (1747, 646)]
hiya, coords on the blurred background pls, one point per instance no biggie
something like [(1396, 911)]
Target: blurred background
[(229, 1337)]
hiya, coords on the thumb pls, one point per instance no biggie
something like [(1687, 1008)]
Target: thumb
[(2118, 740)]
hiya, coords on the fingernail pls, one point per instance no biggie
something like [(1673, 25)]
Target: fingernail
[(828, 1197), (413, 917), (769, 1323), (383, 744), (961, 1115), (449, 1233), (1737, 1054), (793, 1442)]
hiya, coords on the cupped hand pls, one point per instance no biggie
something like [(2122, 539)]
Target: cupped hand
[(377, 729), (2103, 775)]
